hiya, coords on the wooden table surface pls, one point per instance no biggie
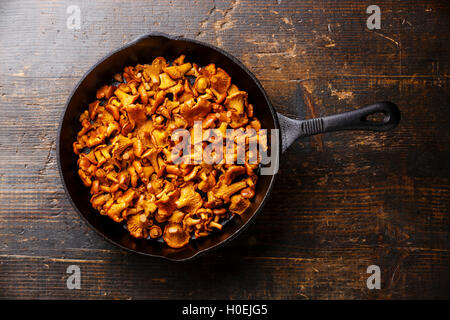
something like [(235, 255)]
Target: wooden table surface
[(343, 201)]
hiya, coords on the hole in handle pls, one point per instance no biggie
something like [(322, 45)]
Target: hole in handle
[(377, 117)]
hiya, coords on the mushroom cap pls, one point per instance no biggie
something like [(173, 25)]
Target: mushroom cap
[(177, 71), (175, 236), (220, 82), (120, 143), (125, 98), (155, 232), (237, 101), (239, 204), (136, 113), (189, 200), (165, 81), (137, 225), (192, 111)]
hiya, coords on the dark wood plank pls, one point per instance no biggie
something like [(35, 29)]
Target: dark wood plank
[(342, 202)]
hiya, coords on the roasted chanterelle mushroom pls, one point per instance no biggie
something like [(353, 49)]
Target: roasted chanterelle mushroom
[(125, 149)]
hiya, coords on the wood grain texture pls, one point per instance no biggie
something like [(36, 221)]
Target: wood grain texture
[(342, 202)]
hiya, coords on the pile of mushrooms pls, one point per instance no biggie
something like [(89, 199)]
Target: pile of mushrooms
[(125, 146)]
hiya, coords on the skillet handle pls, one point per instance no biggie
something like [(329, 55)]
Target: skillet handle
[(357, 120), (353, 120)]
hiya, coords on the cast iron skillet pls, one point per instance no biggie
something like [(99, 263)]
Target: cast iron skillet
[(143, 50)]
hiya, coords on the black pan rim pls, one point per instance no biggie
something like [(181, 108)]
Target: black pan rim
[(175, 38)]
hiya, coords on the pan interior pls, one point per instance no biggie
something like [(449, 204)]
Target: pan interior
[(144, 51)]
